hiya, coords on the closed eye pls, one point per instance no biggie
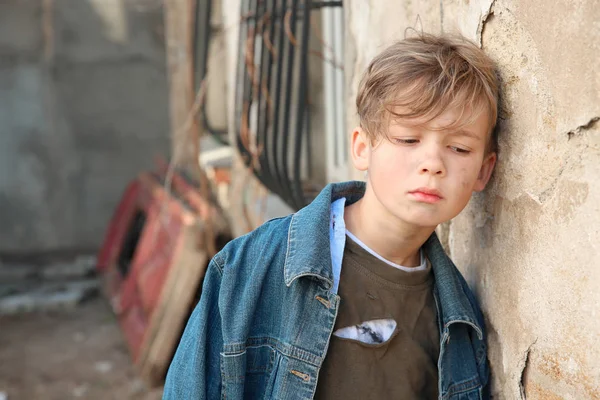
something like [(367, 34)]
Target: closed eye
[(406, 141), (459, 150)]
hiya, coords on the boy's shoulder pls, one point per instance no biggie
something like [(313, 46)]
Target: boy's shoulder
[(266, 239), (297, 244), (458, 301)]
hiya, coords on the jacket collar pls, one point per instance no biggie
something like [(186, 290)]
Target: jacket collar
[(308, 254), (455, 306)]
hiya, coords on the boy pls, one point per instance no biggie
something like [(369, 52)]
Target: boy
[(353, 297)]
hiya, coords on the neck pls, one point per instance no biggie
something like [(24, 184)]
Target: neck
[(387, 235)]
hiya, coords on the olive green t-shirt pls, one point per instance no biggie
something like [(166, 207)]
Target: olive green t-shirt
[(386, 339)]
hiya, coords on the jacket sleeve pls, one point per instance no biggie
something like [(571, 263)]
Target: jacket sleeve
[(195, 369)]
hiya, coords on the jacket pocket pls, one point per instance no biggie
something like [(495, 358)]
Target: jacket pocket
[(298, 379), (475, 394), (245, 374), (290, 379)]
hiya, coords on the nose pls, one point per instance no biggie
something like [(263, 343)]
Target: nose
[(432, 163)]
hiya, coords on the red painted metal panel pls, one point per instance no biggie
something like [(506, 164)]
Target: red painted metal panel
[(118, 225), (134, 324), (142, 282)]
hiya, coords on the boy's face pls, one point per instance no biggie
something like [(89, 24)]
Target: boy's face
[(425, 173)]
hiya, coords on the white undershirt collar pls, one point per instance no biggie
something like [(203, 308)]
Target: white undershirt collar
[(337, 241), (421, 267)]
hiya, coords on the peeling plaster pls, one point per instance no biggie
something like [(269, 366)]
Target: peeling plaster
[(488, 14), (547, 193), (466, 17), (587, 126), (525, 371)]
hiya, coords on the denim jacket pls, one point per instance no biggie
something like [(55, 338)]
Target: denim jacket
[(267, 311)]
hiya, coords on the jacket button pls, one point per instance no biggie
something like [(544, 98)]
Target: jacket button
[(301, 375), (323, 301)]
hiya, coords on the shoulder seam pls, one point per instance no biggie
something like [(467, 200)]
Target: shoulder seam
[(218, 265)]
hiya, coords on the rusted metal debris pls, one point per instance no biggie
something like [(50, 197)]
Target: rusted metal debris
[(152, 263)]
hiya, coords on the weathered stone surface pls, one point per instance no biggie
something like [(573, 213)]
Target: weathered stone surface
[(533, 257)]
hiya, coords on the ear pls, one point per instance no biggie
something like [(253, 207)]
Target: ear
[(485, 173), (360, 149)]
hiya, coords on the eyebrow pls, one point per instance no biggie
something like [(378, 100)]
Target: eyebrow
[(460, 132), (466, 133)]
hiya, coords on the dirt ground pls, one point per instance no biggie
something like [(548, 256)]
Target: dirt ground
[(77, 354)]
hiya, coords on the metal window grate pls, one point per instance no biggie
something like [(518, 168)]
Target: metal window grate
[(272, 93)]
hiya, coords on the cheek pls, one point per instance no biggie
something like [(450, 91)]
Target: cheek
[(397, 163), (468, 177), (387, 173), (466, 181), (385, 164)]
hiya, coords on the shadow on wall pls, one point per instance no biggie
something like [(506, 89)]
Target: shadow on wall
[(83, 108)]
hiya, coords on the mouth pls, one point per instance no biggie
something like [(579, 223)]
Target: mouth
[(426, 195)]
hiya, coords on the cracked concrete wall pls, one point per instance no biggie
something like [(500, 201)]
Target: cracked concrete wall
[(529, 245), (83, 107)]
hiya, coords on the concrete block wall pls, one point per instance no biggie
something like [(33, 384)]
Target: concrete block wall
[(83, 108)]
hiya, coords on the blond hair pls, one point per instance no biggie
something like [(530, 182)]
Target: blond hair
[(424, 75)]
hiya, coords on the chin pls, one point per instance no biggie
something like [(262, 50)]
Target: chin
[(423, 220)]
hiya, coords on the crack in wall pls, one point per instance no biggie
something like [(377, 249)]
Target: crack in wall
[(547, 193), (585, 127), (525, 371), (576, 156), (484, 18)]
